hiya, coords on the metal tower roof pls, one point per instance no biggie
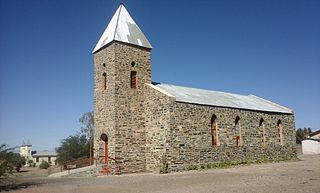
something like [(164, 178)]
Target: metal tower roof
[(122, 28)]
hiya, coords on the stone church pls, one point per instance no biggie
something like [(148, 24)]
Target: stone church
[(142, 126)]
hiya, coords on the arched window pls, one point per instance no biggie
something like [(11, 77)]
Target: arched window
[(214, 131), (279, 132), (237, 130), (133, 81), (104, 81), (262, 133)]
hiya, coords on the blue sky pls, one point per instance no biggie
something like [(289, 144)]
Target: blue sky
[(267, 48)]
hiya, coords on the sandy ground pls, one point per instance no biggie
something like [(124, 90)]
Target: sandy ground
[(298, 176)]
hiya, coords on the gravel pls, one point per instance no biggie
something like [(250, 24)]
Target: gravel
[(294, 176)]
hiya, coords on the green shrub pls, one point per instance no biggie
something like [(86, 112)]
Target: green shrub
[(192, 167), (30, 162), (208, 166), (44, 165)]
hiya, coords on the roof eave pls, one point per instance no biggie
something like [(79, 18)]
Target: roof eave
[(117, 41)]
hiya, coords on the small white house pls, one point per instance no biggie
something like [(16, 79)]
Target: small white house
[(311, 146), (48, 156)]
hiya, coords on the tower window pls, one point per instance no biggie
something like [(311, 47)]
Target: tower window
[(104, 81), (214, 130), (133, 64), (262, 133), (237, 130), (133, 81), (104, 64), (279, 132)]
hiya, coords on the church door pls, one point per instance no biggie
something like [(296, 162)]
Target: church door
[(106, 152), (104, 138)]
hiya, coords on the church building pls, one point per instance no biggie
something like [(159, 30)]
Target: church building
[(143, 126)]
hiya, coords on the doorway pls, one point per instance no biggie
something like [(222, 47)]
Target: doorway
[(104, 138)]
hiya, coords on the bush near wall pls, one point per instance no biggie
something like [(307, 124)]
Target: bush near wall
[(44, 165)]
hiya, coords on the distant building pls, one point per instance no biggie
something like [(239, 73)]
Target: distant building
[(142, 126), (37, 157), (25, 151), (311, 145), (48, 156), (315, 135)]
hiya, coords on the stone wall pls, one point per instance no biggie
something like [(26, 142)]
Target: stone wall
[(104, 101), (159, 111), (191, 136), (119, 109), (130, 109)]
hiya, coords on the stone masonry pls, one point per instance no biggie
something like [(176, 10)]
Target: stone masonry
[(181, 132), (119, 110)]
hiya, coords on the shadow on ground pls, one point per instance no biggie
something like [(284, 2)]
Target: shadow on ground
[(17, 186)]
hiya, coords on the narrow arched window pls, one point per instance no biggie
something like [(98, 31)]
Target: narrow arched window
[(214, 131), (133, 79), (104, 81), (237, 130), (279, 132), (262, 133)]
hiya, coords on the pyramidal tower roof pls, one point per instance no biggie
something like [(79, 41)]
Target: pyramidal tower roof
[(122, 28)]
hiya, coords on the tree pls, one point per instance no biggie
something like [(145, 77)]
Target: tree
[(87, 121), (301, 134), (73, 147), (9, 161), (78, 145)]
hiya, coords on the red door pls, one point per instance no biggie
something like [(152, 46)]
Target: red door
[(106, 153)]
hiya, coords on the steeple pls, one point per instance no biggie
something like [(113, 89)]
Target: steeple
[(29, 143), (122, 28)]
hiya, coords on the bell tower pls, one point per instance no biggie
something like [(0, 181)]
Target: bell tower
[(121, 69)]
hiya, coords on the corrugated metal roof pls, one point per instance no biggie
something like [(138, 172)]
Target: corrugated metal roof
[(122, 28), (44, 153), (221, 99)]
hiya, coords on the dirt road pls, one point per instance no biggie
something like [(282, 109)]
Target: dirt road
[(299, 176)]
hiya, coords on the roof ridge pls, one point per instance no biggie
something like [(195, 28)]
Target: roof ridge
[(115, 29)]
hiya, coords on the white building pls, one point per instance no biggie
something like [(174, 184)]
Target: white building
[(25, 151), (48, 156), (311, 146), (315, 135), (37, 156)]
